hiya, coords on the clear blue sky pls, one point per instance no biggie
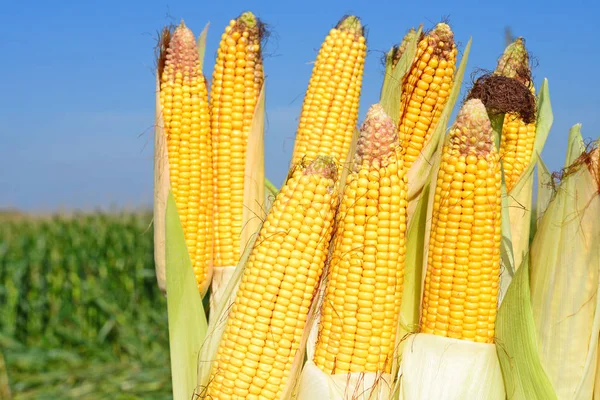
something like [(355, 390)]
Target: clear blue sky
[(77, 88)]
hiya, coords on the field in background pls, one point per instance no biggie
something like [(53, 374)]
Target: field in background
[(80, 312)]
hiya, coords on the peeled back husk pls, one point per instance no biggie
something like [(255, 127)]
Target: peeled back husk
[(565, 271), (437, 367)]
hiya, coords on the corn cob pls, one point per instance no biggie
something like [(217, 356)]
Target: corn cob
[(330, 109), (516, 141), (463, 266), (425, 90), (186, 115), (265, 325), (359, 315), (236, 84)]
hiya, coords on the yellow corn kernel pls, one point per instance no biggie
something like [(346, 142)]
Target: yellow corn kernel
[(463, 265), (186, 115), (330, 109), (268, 316), (236, 84), (425, 90), (359, 316)]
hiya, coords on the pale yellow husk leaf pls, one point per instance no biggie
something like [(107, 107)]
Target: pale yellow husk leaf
[(565, 270), (436, 367), (161, 193)]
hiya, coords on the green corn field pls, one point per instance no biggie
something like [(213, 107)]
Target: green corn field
[(80, 313)]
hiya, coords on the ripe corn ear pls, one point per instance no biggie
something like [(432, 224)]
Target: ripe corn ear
[(186, 115), (236, 84), (330, 109), (425, 90), (463, 262), (359, 315), (517, 139), (266, 321)]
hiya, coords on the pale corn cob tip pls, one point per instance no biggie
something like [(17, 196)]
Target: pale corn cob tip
[(441, 38), (350, 24), (182, 53), (324, 166), (472, 132), (398, 50), (514, 62), (378, 137), (248, 19)]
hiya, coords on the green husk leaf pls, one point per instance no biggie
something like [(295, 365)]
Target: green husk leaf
[(419, 172), (516, 343), (161, 193), (391, 93), (202, 45), (565, 272), (187, 321), (543, 122), (388, 71), (271, 189), (575, 146), (545, 190)]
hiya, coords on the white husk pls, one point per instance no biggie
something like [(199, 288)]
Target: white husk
[(315, 384), (437, 367), (220, 278), (565, 271)]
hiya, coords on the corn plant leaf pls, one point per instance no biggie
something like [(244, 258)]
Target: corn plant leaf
[(202, 45), (161, 193), (391, 93), (516, 343), (575, 146), (187, 321), (419, 172)]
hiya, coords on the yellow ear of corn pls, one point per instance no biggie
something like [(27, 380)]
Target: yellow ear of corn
[(425, 90), (330, 109), (236, 83), (517, 139), (463, 265), (266, 322), (359, 316), (186, 116)]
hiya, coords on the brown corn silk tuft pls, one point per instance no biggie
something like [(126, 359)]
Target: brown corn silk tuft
[(463, 260), (236, 84), (359, 315), (504, 95), (267, 319), (518, 137), (425, 90), (330, 109), (186, 115)]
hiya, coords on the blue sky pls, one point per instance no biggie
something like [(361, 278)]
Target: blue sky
[(77, 94)]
